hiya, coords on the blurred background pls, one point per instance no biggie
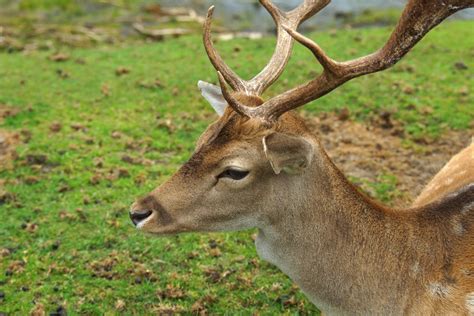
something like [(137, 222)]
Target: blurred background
[(81, 23), (99, 106)]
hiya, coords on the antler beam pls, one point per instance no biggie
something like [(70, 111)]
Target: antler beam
[(278, 61), (418, 18)]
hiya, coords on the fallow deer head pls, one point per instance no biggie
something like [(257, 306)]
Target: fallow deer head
[(253, 159)]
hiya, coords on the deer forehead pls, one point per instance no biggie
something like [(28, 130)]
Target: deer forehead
[(231, 128)]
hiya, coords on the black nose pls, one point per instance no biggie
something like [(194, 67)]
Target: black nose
[(137, 216)]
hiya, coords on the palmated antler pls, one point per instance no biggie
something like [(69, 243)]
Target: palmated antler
[(418, 18), (291, 20)]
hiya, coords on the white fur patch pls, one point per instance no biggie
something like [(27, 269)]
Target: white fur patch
[(438, 290), (448, 181), (144, 222), (470, 303), (416, 268), (468, 207), (457, 226), (265, 148)]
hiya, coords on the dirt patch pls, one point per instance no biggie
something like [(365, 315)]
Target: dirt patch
[(8, 142), (105, 268), (369, 150), (8, 139), (6, 111)]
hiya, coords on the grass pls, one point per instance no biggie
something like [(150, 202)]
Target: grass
[(65, 233)]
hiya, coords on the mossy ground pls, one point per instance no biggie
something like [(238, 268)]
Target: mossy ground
[(95, 140)]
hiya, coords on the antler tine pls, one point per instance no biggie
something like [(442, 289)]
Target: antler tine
[(230, 76), (307, 9), (281, 55), (327, 62), (279, 59), (274, 11), (418, 18), (234, 103)]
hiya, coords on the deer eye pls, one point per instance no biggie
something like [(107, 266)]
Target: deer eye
[(234, 174)]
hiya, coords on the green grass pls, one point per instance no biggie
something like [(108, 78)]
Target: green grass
[(85, 254)]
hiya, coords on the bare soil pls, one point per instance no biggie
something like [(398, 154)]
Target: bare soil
[(8, 140), (368, 150)]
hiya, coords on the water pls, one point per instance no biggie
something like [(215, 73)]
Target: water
[(250, 15)]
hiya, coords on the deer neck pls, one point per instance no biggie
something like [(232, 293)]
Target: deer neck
[(333, 241)]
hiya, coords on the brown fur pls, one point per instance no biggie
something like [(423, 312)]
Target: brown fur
[(349, 254)]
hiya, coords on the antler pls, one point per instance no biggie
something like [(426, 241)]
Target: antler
[(418, 18), (276, 65)]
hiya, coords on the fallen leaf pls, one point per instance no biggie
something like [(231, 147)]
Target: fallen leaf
[(59, 57), (116, 135), (95, 179), (55, 245), (60, 311), (104, 268), (36, 159), (192, 255), (141, 272), (129, 159), (6, 197), (55, 127), (120, 71), (120, 305), (386, 119), (64, 215), (38, 310), (171, 291), (62, 73), (287, 300), (17, 266), (213, 275), (460, 65), (165, 309), (31, 227), (86, 200), (344, 114), (408, 90), (239, 258), (175, 91), (89, 140), (215, 252), (198, 308), (4, 252), (276, 287), (26, 134), (167, 124), (464, 90), (105, 89), (140, 179), (31, 180), (98, 162), (64, 188), (78, 127)]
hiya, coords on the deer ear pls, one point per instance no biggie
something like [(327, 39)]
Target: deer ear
[(213, 95), (291, 154)]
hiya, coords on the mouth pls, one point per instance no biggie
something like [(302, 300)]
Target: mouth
[(140, 218)]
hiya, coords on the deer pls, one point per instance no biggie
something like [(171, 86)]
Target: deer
[(259, 166)]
